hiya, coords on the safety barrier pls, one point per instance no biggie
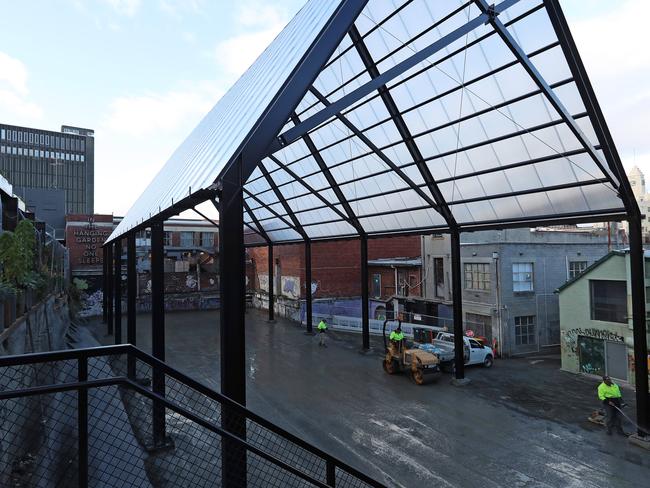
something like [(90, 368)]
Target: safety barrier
[(115, 416)]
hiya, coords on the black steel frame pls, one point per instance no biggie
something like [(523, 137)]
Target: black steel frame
[(231, 437), (264, 140)]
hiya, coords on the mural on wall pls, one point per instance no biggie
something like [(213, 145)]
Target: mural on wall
[(571, 337), (291, 286), (264, 282)]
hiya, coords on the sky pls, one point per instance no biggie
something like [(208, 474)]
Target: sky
[(142, 73)]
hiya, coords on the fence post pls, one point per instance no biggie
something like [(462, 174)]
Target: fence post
[(82, 411), (330, 474)]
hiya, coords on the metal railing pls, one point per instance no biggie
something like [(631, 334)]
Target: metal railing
[(115, 416)]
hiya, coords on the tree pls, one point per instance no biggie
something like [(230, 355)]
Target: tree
[(17, 252)]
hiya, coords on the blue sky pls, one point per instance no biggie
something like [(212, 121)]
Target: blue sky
[(142, 73)]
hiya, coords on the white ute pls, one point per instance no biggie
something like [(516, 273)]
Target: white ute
[(475, 351)]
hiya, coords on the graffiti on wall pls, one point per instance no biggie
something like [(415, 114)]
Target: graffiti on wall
[(290, 286), (264, 281), (571, 337)]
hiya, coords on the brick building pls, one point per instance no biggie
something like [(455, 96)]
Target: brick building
[(191, 248), (336, 268)]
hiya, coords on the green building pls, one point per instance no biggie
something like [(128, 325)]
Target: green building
[(596, 318)]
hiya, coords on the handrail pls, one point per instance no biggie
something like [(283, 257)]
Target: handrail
[(155, 363), (223, 433)]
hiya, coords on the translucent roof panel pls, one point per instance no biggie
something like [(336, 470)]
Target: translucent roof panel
[(426, 116)]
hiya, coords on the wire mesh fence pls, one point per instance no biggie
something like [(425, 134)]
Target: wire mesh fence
[(117, 417)]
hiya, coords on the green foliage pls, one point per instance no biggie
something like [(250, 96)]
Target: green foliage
[(17, 257), (81, 285)]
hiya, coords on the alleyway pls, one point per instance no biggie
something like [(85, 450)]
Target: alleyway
[(519, 424)]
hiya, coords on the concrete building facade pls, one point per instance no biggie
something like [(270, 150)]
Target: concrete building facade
[(509, 279), (596, 319), (53, 172)]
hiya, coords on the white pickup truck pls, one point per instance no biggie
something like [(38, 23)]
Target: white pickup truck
[(474, 351)]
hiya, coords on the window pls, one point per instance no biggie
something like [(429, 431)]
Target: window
[(187, 239), (83, 145), (481, 325), (31, 138), (522, 277), (207, 239), (13, 135), (439, 276), (2, 149), (2, 133), (47, 140), (42, 139), (376, 285), (576, 267), (525, 330), (608, 300), (168, 238), (477, 276), (20, 136)]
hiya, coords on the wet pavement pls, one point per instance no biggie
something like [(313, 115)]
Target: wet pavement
[(520, 424)]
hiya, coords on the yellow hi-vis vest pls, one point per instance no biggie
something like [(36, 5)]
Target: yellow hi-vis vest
[(322, 326), (396, 336), (605, 391)]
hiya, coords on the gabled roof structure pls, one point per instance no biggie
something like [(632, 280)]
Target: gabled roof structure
[(425, 116), (374, 117)]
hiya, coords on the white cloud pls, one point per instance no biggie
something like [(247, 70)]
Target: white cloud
[(14, 102), (143, 131), (614, 47), (176, 7), (261, 23), (125, 7)]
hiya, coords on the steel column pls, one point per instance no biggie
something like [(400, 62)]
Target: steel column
[(131, 286), (117, 276), (308, 294), (104, 281), (158, 325), (82, 423), (637, 279), (365, 318), (457, 294), (271, 283), (233, 308), (109, 288)]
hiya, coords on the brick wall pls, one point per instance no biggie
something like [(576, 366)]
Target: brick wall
[(335, 265)]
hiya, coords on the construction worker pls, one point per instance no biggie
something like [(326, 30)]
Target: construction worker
[(397, 337), (610, 394), (322, 328)]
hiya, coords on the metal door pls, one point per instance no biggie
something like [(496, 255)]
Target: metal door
[(616, 360)]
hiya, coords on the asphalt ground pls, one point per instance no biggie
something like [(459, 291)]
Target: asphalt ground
[(522, 423)]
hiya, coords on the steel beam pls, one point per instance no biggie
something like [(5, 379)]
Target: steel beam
[(310, 189), (334, 185), (289, 96), (277, 215), (308, 293), (117, 275), (132, 287), (365, 316), (637, 282), (158, 325), (339, 105), (402, 127), (271, 264), (378, 152), (637, 260), (260, 230), (457, 295), (278, 194), (109, 290), (104, 284), (539, 80), (232, 268)]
